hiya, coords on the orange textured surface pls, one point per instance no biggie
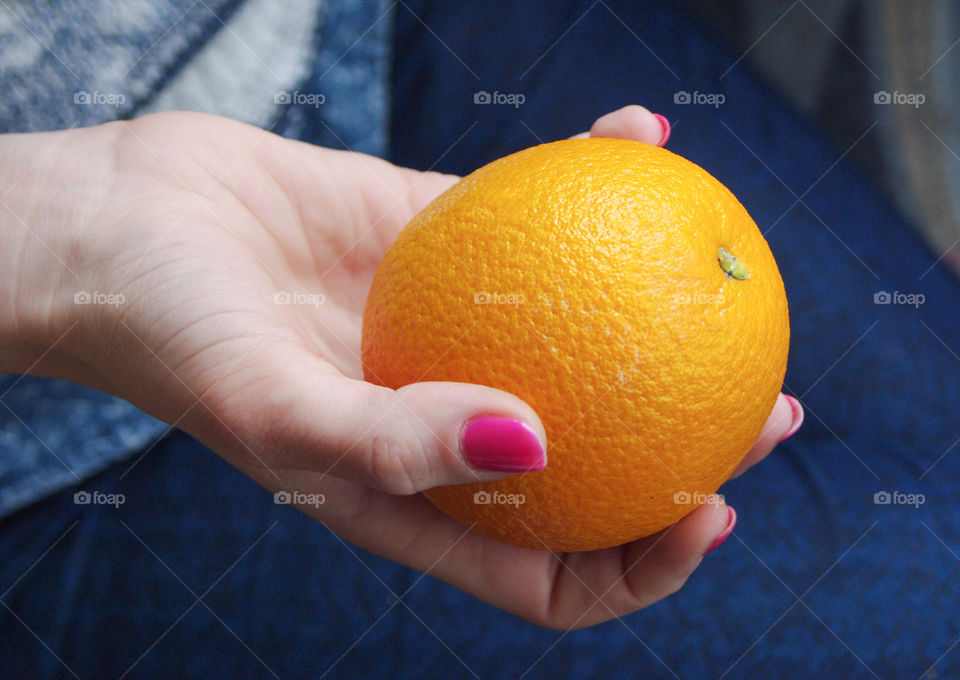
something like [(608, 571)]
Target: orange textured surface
[(583, 276)]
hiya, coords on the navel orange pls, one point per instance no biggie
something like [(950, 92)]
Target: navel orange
[(621, 291)]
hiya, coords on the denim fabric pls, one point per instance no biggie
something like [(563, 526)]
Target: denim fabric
[(352, 71), (55, 434), (67, 63)]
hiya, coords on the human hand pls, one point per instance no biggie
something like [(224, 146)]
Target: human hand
[(199, 223)]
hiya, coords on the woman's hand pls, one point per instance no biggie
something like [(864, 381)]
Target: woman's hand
[(227, 270)]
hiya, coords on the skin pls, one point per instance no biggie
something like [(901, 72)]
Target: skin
[(198, 222)]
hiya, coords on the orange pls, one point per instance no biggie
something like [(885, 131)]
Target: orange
[(621, 291)]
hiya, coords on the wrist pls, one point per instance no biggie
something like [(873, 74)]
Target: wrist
[(51, 188)]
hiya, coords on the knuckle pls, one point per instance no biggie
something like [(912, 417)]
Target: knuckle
[(393, 467), (640, 590)]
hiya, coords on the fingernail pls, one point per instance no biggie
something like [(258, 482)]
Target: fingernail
[(502, 444), (797, 417), (665, 126), (725, 534)]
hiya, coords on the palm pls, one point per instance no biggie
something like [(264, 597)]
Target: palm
[(275, 241)]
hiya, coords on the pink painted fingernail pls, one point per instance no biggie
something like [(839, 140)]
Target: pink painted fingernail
[(725, 534), (665, 126), (502, 444), (797, 417)]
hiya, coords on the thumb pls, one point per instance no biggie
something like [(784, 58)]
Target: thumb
[(397, 441), (631, 122)]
